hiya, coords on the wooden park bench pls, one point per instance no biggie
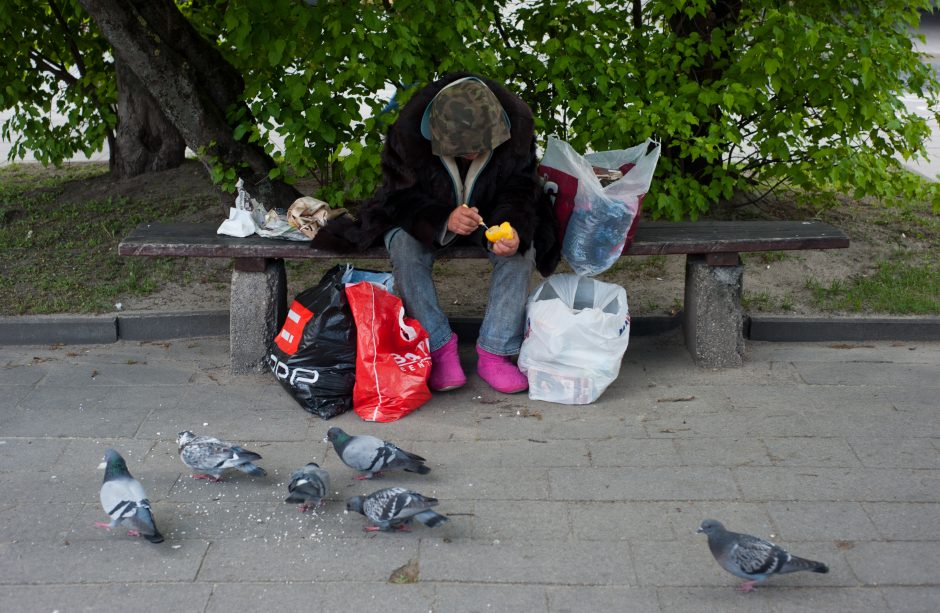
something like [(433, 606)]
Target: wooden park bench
[(712, 316)]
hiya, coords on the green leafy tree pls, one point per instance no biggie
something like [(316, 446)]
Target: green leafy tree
[(747, 96), (319, 75), (54, 62)]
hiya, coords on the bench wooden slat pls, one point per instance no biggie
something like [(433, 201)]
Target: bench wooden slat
[(652, 238)]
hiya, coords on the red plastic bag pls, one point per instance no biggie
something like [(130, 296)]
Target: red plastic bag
[(393, 359)]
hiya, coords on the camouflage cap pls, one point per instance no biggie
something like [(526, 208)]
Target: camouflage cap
[(466, 117)]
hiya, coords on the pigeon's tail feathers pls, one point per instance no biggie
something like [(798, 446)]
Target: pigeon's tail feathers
[(430, 518), (143, 522), (154, 538), (251, 469), (795, 564), (414, 456), (244, 454), (413, 462)]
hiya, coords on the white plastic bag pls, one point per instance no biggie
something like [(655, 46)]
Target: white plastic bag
[(597, 219), (577, 330), (239, 223)]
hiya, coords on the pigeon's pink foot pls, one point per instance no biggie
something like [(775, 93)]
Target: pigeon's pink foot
[(303, 508), (377, 529), (133, 533), (369, 476), (101, 524), (208, 478), (747, 586)]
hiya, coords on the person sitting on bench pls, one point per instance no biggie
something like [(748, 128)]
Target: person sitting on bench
[(462, 152)]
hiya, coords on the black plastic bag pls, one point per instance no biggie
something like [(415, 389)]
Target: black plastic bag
[(314, 354)]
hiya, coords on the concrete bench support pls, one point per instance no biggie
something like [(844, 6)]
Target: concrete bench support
[(258, 307), (713, 317)]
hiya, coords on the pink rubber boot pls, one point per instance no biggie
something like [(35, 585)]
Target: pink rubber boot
[(499, 371), (446, 373)]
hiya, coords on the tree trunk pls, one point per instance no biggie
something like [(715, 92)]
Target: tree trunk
[(145, 141), (195, 87)]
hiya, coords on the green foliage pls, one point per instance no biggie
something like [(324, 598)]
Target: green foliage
[(320, 76), (797, 95), (774, 96), (745, 95), (54, 61)]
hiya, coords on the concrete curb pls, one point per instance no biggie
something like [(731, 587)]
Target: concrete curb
[(48, 329), (797, 329), (160, 326), (99, 329)]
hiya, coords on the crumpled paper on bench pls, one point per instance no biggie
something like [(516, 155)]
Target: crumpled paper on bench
[(268, 224), (309, 215)]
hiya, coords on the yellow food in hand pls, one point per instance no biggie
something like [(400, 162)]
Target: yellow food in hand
[(503, 230)]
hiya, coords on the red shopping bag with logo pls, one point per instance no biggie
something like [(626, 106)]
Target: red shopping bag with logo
[(393, 358), (314, 354)]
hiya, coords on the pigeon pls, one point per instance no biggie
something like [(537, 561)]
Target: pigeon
[(308, 486), (750, 557), (212, 456), (393, 508), (125, 501), (370, 455)]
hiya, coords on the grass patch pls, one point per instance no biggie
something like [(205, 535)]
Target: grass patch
[(897, 287), (764, 302), (648, 266), (757, 301), (767, 257), (60, 256)]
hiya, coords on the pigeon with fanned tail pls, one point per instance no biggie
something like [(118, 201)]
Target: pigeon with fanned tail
[(393, 508), (210, 457), (752, 558), (370, 455), (124, 500), (308, 486)]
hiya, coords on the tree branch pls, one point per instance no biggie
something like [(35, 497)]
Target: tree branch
[(56, 70), (70, 39)]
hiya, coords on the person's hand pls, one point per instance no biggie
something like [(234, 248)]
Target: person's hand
[(506, 246), (464, 220)]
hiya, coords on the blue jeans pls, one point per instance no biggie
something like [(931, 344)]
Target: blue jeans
[(504, 320)]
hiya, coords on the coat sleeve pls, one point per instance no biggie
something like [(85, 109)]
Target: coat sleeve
[(408, 198), (515, 201)]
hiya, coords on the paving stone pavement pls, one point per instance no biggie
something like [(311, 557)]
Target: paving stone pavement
[(832, 450)]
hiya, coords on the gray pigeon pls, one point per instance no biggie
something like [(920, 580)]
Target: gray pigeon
[(371, 455), (750, 557), (211, 456), (393, 508), (308, 486), (124, 500)]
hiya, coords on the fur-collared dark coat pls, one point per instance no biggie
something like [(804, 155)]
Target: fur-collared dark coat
[(417, 192)]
